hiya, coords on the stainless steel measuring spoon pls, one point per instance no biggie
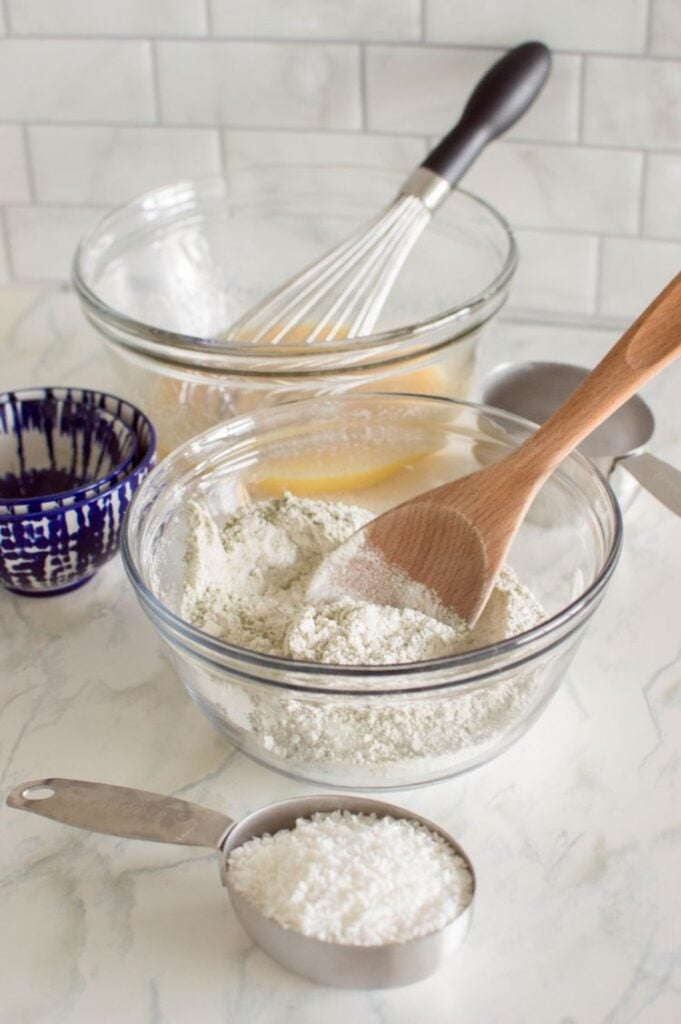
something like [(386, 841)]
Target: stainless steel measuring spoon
[(618, 447), (137, 814)]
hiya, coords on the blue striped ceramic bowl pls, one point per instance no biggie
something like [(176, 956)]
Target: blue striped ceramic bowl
[(57, 549), (59, 446)]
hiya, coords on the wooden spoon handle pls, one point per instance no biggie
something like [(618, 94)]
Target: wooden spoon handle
[(652, 342)]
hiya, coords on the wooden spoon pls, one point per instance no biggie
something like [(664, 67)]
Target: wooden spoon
[(442, 550)]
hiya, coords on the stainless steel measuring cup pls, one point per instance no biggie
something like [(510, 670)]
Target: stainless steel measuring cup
[(618, 447), (137, 814)]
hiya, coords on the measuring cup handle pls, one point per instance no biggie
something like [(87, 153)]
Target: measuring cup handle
[(650, 344), (659, 478), (120, 811)]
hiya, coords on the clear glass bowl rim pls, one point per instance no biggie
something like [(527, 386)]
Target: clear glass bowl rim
[(550, 628), (197, 345)]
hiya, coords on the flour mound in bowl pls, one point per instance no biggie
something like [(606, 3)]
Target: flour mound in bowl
[(245, 582)]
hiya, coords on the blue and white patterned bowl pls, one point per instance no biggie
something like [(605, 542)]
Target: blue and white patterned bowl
[(58, 549), (59, 446)]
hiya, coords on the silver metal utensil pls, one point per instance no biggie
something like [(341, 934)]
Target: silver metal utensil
[(137, 814), (618, 447), (342, 294)]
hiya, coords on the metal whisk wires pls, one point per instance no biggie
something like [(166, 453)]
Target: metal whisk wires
[(343, 293)]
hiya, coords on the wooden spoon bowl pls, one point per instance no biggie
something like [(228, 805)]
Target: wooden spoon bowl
[(442, 550)]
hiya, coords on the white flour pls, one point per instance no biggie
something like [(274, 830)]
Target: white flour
[(245, 583), (357, 879)]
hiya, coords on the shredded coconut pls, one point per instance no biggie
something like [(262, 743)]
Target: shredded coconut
[(357, 879), (245, 582)]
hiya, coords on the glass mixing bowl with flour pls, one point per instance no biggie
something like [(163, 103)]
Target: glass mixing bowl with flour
[(446, 705)]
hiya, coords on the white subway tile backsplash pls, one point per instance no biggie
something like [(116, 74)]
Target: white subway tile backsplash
[(5, 276), (318, 19), (590, 177), (250, 148), (75, 80), (662, 197), (633, 102), (592, 190), (607, 25), (43, 239), (14, 182), (633, 272), (666, 27), (120, 18), (555, 271), (424, 89), (110, 165), (277, 85)]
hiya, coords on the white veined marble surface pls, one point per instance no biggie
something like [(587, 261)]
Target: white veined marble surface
[(575, 832)]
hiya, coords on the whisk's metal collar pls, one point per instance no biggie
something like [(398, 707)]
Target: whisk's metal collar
[(426, 185)]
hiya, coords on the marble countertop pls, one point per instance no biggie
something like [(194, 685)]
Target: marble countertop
[(575, 832)]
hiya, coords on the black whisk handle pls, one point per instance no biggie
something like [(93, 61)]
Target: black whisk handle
[(500, 98)]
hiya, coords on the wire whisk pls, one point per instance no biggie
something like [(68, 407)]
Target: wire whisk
[(342, 294)]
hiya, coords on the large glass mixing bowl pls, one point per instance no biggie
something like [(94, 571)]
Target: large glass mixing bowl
[(164, 276), (385, 726)]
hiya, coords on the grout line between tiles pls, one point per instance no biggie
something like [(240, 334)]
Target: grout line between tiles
[(596, 303), (104, 205), (108, 37), (28, 157), (581, 92), (155, 86), (424, 20), (4, 231), (200, 37), (331, 41), (642, 194), (222, 151), (387, 133), (533, 316), (363, 93), (208, 15), (648, 38)]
